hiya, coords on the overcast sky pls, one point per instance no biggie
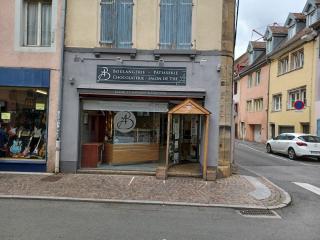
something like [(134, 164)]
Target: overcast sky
[(257, 14)]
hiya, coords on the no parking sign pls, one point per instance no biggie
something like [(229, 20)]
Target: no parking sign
[(298, 105)]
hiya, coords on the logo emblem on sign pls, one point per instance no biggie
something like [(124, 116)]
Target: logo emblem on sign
[(124, 122), (104, 74)]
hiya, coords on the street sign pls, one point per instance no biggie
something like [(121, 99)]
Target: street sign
[(298, 105)]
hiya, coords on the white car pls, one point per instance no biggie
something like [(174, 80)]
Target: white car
[(295, 145)]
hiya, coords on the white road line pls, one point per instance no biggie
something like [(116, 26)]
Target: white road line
[(309, 187), (131, 181), (281, 158)]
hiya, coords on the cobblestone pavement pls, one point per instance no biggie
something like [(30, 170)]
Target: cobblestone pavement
[(233, 191)]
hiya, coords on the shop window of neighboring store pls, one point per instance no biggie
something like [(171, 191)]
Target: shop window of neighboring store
[(23, 115), (37, 23), (116, 23), (175, 24)]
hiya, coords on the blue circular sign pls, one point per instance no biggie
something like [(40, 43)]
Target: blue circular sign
[(298, 105)]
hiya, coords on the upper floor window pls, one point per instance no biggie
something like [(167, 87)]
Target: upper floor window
[(283, 65), (258, 104), (250, 81), (291, 31), (311, 18), (235, 88), (297, 60), (249, 106), (276, 102), (258, 78), (295, 95), (269, 46), (251, 57), (116, 23), (37, 23), (175, 24)]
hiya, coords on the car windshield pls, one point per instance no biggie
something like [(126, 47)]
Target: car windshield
[(311, 139)]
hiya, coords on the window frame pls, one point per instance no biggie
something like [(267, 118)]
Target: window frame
[(277, 102), (297, 59), (175, 31), (257, 78), (299, 94), (115, 25), (283, 65), (40, 3)]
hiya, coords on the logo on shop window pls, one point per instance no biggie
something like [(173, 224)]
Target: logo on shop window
[(124, 122)]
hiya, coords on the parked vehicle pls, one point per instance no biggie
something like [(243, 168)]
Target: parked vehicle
[(295, 145)]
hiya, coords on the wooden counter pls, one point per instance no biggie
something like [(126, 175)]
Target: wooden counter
[(118, 154)]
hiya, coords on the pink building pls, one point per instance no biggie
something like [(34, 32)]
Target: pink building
[(31, 33), (253, 103)]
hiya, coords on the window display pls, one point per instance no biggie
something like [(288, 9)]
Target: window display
[(23, 122)]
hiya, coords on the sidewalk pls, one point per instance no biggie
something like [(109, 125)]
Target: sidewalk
[(237, 191)]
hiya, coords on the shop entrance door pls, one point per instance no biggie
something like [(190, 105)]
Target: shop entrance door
[(186, 139)]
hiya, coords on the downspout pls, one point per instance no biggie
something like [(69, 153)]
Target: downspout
[(60, 95), (268, 96)]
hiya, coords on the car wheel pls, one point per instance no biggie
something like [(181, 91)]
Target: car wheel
[(269, 150), (292, 154)]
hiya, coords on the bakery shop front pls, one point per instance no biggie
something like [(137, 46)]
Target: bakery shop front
[(142, 136), (138, 117)]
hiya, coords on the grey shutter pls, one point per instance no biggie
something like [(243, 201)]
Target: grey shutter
[(108, 14), (184, 25), (168, 23), (124, 23)]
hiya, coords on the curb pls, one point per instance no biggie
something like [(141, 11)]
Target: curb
[(93, 200), (285, 202)]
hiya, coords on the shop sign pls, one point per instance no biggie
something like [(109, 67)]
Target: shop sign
[(5, 116), (141, 75), (124, 122), (40, 106)]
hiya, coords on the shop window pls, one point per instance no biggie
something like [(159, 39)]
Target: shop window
[(24, 123), (37, 22), (175, 24), (116, 23)]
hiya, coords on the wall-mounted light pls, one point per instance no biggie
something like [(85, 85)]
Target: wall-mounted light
[(42, 92), (161, 62), (119, 60), (203, 61), (72, 80)]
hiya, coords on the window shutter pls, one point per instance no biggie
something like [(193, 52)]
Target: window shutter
[(124, 23), (184, 26), (168, 23), (108, 14)]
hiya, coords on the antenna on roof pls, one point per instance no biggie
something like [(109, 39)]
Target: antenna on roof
[(253, 30)]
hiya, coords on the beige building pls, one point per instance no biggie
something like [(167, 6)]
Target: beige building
[(128, 64)]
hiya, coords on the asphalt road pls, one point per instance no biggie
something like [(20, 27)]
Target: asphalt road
[(33, 220)]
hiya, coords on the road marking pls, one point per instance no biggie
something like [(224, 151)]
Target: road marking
[(281, 158), (261, 191), (309, 187), (131, 181)]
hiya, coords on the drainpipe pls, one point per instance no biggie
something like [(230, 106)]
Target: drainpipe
[(60, 95)]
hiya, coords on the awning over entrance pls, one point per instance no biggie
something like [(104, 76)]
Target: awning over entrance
[(137, 91)]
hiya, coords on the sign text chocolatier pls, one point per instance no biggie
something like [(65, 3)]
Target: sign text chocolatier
[(141, 75)]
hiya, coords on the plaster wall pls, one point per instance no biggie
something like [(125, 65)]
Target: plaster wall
[(255, 92), (280, 84), (83, 24)]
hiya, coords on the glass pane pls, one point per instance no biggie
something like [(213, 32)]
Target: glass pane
[(46, 25), (32, 23), (23, 115)]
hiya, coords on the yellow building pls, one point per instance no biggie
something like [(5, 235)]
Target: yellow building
[(291, 50)]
